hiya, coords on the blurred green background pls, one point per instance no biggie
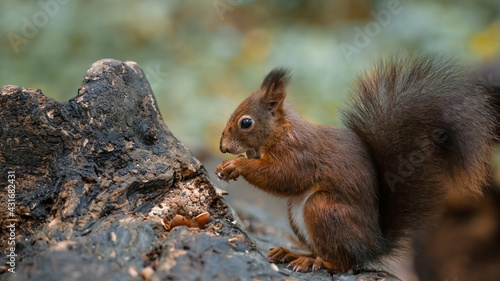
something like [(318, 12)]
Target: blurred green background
[(203, 57)]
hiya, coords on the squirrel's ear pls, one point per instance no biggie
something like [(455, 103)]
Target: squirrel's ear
[(274, 88)]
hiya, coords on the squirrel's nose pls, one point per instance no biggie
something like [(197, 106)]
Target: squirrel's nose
[(222, 148)]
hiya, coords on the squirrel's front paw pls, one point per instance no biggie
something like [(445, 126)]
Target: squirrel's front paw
[(227, 170)]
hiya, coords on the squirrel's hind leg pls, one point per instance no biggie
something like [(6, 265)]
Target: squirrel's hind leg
[(303, 262), (298, 262)]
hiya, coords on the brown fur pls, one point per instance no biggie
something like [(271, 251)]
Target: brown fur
[(415, 127)]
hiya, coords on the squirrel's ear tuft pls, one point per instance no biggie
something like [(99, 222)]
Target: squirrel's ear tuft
[(274, 88)]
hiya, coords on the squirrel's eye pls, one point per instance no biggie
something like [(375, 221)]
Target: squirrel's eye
[(246, 123)]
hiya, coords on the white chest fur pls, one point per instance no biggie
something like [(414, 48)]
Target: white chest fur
[(297, 215)]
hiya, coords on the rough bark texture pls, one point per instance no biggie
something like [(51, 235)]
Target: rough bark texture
[(96, 176)]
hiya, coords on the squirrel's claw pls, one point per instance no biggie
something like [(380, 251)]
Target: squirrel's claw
[(278, 254), (227, 170), (319, 263), (298, 262), (301, 264)]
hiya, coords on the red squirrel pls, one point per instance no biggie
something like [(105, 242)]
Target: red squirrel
[(414, 128)]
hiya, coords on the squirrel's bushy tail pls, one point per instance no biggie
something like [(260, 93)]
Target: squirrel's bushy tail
[(429, 125)]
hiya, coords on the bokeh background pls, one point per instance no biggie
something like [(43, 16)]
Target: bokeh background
[(202, 58)]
